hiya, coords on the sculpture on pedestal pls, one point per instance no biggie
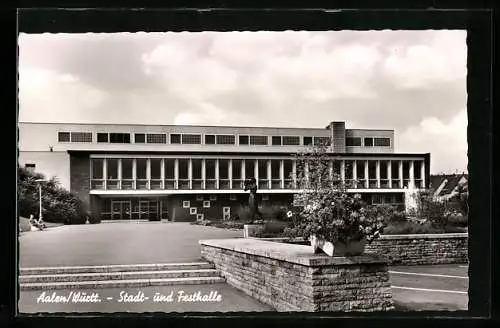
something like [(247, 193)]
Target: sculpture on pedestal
[(253, 203)]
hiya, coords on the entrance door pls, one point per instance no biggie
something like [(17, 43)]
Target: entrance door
[(120, 210), (144, 210)]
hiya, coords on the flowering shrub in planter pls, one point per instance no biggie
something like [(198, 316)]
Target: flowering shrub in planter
[(329, 213)]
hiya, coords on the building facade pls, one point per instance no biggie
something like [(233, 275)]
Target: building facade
[(187, 173)]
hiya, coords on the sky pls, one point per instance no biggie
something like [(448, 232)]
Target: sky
[(411, 81)]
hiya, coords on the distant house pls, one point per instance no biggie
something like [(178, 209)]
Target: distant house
[(445, 186)]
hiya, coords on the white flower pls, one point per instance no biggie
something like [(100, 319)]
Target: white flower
[(289, 214)]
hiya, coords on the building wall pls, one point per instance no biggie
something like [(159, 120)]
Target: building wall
[(80, 178), (52, 164), (370, 133)]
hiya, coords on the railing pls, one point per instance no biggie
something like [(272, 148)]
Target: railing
[(263, 184), (97, 184), (361, 184), (224, 184), (395, 183), (418, 183), (210, 184), (238, 184), (156, 184), (406, 183), (113, 184), (170, 184), (142, 184), (184, 184), (385, 183), (372, 183), (289, 184), (197, 184), (128, 184), (276, 184)]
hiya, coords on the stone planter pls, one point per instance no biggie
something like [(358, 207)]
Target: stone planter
[(338, 249), (252, 230)]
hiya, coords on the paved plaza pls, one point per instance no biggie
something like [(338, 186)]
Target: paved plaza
[(437, 287)]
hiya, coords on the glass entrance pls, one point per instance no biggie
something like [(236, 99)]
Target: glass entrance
[(120, 210)]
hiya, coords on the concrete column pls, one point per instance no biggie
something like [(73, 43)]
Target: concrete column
[(243, 173), (367, 180), (400, 168), (190, 173), (176, 173), (294, 173), (342, 171), (422, 174), (203, 174), (330, 170), (377, 172), (389, 173), (105, 172), (134, 173), (148, 172), (217, 174), (256, 171), (355, 172), (119, 174), (230, 173), (282, 175), (412, 174), (162, 173), (269, 175)]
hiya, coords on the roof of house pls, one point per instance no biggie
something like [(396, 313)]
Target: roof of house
[(452, 181)]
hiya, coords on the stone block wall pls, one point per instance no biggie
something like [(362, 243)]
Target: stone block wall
[(420, 249), (291, 278)]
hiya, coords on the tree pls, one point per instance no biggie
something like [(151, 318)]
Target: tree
[(329, 211), (59, 205)]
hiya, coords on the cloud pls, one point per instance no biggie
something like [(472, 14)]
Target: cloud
[(410, 81), (446, 141)]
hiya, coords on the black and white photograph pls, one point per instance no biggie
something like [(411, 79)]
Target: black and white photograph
[(243, 171)]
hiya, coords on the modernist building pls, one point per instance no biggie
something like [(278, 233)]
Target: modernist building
[(179, 173)]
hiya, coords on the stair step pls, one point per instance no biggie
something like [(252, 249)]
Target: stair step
[(121, 283), (116, 268), (99, 276)]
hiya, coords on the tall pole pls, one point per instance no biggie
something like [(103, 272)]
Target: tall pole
[(40, 189)]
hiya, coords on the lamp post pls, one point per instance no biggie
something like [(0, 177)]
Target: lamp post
[(40, 191)]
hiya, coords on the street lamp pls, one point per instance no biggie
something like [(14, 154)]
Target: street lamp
[(40, 191)]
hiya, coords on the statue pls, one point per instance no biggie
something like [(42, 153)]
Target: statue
[(253, 203)]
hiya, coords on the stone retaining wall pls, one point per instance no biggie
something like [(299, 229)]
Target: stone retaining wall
[(291, 278), (418, 249)]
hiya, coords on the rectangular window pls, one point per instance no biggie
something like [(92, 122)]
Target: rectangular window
[(210, 169), (288, 168), (141, 168), (243, 140), (102, 137), (368, 142), (209, 139), (249, 168), (169, 168), (225, 139), (196, 167), (157, 138), (97, 167), (175, 138), (119, 137), (383, 169), (127, 166), (236, 167), (81, 136), (321, 141), (258, 140), (112, 168), (191, 139), (140, 138), (291, 140), (383, 142), (183, 168), (275, 169), (353, 142), (262, 168), (63, 136), (276, 140), (155, 168), (308, 141), (223, 169)]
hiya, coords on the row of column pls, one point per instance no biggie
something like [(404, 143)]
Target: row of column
[(284, 177)]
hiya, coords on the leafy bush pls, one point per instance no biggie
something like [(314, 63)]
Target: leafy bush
[(458, 221), (24, 224), (437, 213), (59, 205), (409, 227), (274, 212)]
